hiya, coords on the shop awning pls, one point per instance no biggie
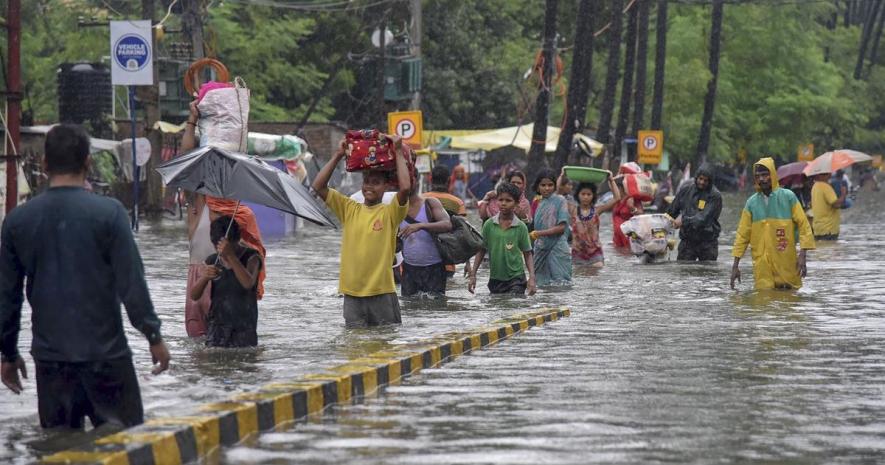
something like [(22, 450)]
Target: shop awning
[(516, 136)]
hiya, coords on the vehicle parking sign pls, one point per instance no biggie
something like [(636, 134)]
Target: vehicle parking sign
[(131, 53)]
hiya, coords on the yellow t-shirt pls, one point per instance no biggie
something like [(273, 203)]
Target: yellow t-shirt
[(826, 216), (368, 244)]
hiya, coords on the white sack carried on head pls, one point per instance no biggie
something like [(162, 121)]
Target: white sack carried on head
[(224, 117)]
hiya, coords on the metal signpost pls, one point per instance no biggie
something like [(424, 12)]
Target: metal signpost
[(132, 65)]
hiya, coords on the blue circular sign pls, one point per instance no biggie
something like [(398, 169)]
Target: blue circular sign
[(132, 52)]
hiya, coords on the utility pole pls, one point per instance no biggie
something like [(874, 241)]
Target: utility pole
[(641, 68), (13, 100), (415, 35), (542, 104), (657, 106), (192, 24), (150, 99), (603, 131), (579, 82), (382, 79), (710, 99), (627, 83)]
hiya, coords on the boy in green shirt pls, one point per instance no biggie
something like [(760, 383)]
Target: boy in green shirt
[(510, 251)]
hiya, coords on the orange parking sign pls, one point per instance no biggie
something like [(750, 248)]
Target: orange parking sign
[(408, 125)]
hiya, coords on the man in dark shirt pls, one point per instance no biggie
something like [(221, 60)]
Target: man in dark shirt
[(696, 211), (77, 255)]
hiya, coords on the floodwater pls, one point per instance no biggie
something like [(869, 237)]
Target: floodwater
[(658, 363)]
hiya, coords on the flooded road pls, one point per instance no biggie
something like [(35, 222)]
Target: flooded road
[(658, 363)]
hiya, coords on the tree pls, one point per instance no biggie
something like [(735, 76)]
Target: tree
[(542, 104), (869, 23), (475, 52), (641, 67), (710, 100), (612, 75), (874, 54), (579, 83), (627, 82), (657, 106)]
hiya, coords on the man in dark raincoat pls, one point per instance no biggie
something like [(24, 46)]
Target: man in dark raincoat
[(696, 212)]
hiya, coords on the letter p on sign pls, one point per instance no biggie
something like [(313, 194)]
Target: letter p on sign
[(408, 125)]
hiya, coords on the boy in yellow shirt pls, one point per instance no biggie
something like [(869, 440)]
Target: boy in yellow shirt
[(368, 240)]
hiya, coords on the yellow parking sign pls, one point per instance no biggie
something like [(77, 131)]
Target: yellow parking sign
[(408, 125), (651, 147), (805, 152)]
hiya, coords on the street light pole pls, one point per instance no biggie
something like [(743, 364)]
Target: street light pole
[(415, 35)]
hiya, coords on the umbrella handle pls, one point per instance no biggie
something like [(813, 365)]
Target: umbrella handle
[(227, 233)]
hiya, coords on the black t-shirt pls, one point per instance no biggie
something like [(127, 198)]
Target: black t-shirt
[(74, 254), (233, 315)]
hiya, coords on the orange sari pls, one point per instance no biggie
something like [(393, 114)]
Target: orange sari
[(249, 232)]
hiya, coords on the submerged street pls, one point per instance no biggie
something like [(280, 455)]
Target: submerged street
[(657, 363)]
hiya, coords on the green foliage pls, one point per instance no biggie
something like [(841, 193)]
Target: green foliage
[(475, 54), (50, 37), (775, 89), (785, 79), (264, 46)]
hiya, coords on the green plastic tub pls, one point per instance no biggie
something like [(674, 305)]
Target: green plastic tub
[(585, 174)]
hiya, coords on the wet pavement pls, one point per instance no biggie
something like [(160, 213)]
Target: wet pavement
[(658, 363)]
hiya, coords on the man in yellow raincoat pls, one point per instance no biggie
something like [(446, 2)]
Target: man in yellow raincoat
[(771, 223)]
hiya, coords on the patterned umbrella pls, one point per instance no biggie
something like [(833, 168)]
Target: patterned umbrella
[(791, 173), (831, 162)]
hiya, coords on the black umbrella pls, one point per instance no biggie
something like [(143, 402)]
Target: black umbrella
[(219, 173)]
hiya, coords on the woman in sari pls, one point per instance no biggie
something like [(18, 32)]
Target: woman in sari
[(553, 259), (624, 209)]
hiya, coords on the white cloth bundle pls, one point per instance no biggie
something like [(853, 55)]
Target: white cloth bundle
[(648, 233), (224, 117)]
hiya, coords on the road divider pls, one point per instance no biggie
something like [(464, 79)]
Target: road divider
[(185, 439)]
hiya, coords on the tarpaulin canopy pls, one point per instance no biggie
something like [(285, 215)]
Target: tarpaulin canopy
[(266, 146), (516, 136)]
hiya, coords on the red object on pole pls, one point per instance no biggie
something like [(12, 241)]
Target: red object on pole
[(13, 100)]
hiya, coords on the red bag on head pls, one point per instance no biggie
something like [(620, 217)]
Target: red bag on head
[(639, 187), (410, 164), (369, 149), (630, 167)]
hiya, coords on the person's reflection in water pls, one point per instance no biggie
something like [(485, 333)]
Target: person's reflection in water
[(355, 343), (221, 364)]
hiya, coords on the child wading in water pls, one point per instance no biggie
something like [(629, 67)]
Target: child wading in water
[(553, 259), (586, 246), (506, 239), (233, 314), (368, 240)]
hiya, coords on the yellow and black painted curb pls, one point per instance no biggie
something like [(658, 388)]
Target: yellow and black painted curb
[(185, 439)]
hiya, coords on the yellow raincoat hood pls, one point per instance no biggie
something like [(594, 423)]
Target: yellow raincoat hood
[(768, 163)]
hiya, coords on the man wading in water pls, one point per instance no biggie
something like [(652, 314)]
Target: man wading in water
[(696, 211), (80, 260), (771, 222)]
